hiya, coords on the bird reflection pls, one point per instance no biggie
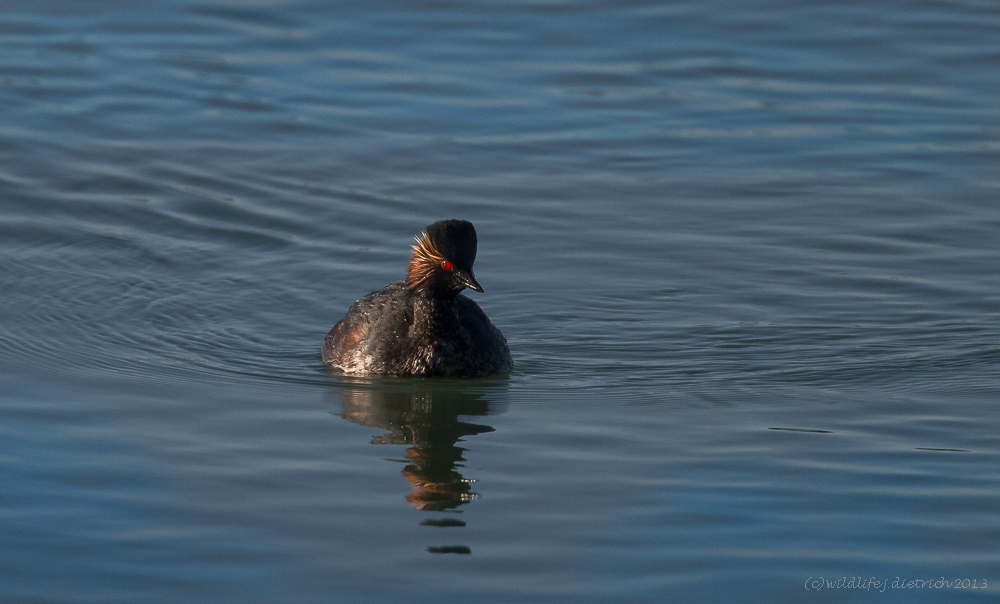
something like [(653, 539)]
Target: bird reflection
[(425, 416)]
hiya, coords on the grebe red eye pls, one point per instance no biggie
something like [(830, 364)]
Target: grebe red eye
[(446, 265)]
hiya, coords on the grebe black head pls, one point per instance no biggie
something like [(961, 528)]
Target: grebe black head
[(442, 260)]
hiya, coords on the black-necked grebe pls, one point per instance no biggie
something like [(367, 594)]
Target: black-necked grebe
[(423, 325)]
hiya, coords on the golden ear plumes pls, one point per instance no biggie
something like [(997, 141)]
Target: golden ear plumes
[(425, 260)]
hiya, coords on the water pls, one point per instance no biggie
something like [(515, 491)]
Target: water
[(745, 256)]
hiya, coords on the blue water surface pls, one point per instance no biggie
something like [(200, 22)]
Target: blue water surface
[(745, 255)]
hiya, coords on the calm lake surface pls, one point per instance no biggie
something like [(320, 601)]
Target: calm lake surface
[(746, 254)]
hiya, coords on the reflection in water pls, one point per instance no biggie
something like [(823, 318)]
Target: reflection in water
[(424, 414)]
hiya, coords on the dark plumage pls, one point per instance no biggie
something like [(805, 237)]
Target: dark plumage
[(423, 325)]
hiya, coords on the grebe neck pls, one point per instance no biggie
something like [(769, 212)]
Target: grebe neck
[(434, 316)]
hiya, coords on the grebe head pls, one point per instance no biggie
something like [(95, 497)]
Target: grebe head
[(442, 259)]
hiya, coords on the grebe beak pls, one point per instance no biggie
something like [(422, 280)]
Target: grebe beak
[(469, 280)]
